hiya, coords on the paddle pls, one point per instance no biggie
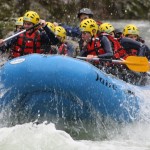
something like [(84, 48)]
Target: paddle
[(25, 30), (134, 63)]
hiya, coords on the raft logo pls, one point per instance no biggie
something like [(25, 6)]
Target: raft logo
[(105, 82), (17, 61)]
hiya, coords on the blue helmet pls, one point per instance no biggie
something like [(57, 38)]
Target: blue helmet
[(86, 11)]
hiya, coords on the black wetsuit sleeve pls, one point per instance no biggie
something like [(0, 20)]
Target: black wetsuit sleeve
[(3, 48), (129, 44), (53, 39), (106, 45), (8, 44), (147, 52)]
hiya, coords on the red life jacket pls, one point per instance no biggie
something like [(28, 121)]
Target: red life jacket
[(94, 47), (62, 49), (27, 44), (133, 52), (119, 51)]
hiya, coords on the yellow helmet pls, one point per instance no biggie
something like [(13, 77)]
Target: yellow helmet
[(31, 16), (51, 26), (19, 21), (106, 27), (130, 29), (60, 31), (88, 25)]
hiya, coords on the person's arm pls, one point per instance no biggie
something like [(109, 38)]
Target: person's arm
[(4, 46), (106, 46), (128, 44), (1, 42), (53, 39), (147, 52)]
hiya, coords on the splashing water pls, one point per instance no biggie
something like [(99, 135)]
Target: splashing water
[(46, 137), (108, 134)]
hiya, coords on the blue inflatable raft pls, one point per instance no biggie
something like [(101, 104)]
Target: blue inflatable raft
[(48, 86)]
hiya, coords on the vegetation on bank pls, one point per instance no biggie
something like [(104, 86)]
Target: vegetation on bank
[(66, 10)]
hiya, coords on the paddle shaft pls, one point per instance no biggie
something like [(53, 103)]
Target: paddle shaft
[(104, 59), (112, 60), (134, 63), (100, 59), (20, 32)]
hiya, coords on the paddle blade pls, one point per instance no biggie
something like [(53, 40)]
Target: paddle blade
[(138, 64)]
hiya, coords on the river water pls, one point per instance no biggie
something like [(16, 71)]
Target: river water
[(133, 136)]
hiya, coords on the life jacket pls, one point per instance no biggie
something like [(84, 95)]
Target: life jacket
[(119, 51), (27, 43), (62, 49), (95, 48), (133, 52)]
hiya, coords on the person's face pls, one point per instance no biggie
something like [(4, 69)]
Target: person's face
[(18, 27), (132, 36), (60, 38), (27, 25), (86, 36), (112, 34), (83, 17)]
